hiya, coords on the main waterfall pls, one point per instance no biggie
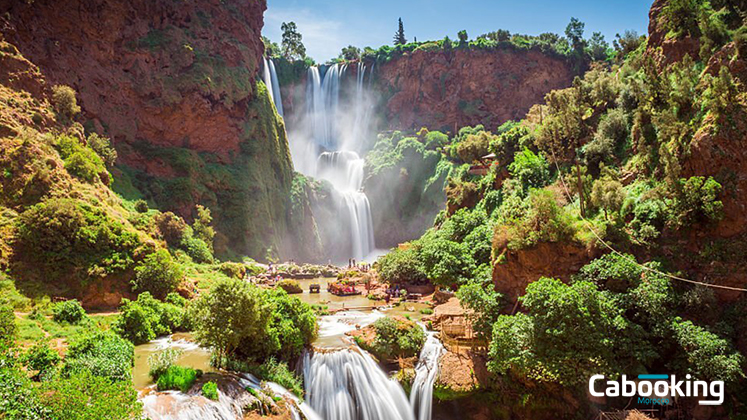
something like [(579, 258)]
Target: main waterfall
[(326, 145)]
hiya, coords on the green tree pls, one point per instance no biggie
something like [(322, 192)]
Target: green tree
[(8, 326), (272, 49), (598, 47), (69, 311), (63, 98), (608, 194), (399, 36), (350, 53), (293, 48), (232, 311), (202, 226), (158, 274), (530, 169), (575, 33), (463, 37)]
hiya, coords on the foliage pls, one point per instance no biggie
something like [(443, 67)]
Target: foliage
[(8, 326), (530, 169), (63, 98), (202, 226), (399, 36), (608, 194), (613, 271), (158, 274), (69, 311), (239, 319), (88, 397), (697, 202), (292, 44), (543, 221), (350, 53), (146, 318), (41, 358), (210, 390), (159, 363), (290, 286), (278, 372), (81, 161), (177, 378), (474, 146), (401, 266), (68, 238), (396, 337), (445, 262), (705, 354), (101, 354), (103, 147), (480, 297)]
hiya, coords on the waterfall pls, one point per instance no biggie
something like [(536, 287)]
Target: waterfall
[(349, 385), (325, 148), (421, 394), (270, 77)]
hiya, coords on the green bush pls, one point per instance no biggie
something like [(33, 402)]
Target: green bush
[(103, 147), (401, 266), (70, 239), (159, 363), (615, 272), (141, 206), (69, 311), (435, 139), (290, 286), (396, 337), (41, 358), (233, 270), (87, 397), (210, 390), (544, 221), (158, 274), (698, 201), (706, 355), (146, 318), (81, 160), (63, 98), (101, 354), (177, 378), (474, 146), (278, 372), (530, 169), (8, 326)]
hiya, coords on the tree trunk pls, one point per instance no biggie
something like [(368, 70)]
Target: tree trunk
[(582, 206)]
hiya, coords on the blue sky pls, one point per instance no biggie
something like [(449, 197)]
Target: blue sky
[(329, 25)]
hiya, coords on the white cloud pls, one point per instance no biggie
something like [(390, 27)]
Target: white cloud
[(323, 37)]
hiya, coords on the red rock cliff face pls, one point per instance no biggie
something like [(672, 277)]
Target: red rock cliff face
[(173, 84), (163, 71), (461, 87)]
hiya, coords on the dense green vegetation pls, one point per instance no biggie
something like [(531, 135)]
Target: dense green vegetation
[(608, 159), (394, 338), (243, 322)]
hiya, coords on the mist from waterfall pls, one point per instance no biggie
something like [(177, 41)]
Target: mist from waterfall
[(325, 144)]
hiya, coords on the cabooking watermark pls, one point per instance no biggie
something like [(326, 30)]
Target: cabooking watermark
[(659, 388)]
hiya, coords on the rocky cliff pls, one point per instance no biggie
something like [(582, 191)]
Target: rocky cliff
[(173, 85), (447, 90)]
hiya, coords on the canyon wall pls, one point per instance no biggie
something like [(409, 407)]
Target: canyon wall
[(173, 85), (447, 90)]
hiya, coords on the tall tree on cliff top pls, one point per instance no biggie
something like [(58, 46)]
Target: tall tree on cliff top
[(293, 48), (399, 36)]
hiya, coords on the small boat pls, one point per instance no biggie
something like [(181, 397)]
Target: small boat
[(314, 288)]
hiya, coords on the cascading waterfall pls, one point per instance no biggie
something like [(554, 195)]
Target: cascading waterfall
[(314, 153), (270, 77), (349, 385), (421, 394)]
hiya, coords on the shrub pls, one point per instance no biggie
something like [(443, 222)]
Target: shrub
[(87, 397), (474, 146), (290, 286), (435, 139), (101, 354), (445, 262), (8, 326), (197, 249), (401, 266), (41, 358), (177, 378), (698, 201), (68, 238), (396, 337), (81, 160), (63, 98), (233, 270), (706, 355), (172, 228), (202, 226), (68, 311), (612, 271), (102, 146), (544, 221), (278, 372), (158, 274), (158, 363), (146, 318), (141, 206), (479, 295), (530, 169), (210, 390)]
